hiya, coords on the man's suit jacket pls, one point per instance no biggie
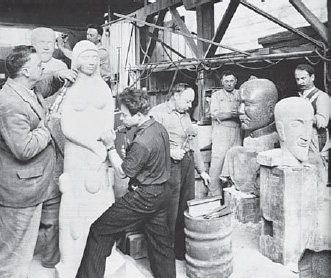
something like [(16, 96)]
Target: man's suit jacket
[(27, 155)]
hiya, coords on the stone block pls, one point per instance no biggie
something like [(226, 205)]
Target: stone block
[(289, 208), (134, 244), (245, 206)]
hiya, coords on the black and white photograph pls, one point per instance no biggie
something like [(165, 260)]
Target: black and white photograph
[(165, 138)]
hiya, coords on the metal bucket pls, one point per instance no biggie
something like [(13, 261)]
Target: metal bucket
[(209, 246)]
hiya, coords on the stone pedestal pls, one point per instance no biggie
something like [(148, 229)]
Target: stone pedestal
[(289, 209), (245, 206)]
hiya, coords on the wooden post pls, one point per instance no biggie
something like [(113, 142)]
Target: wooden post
[(205, 23), (205, 29)]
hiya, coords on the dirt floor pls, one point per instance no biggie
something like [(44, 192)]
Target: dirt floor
[(248, 262)]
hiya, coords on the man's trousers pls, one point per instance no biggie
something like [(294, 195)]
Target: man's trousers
[(146, 208), (19, 229), (181, 184), (223, 138)]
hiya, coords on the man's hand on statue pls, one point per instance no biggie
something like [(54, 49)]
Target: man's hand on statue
[(205, 177), (68, 74), (108, 138), (177, 154)]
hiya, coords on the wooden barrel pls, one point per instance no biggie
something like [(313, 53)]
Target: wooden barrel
[(209, 246)]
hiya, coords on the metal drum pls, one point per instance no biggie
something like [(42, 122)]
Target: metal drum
[(209, 246)]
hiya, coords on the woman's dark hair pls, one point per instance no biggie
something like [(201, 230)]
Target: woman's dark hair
[(135, 100), (17, 58)]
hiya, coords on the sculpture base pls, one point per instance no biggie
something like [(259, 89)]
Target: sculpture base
[(245, 206), (289, 212)]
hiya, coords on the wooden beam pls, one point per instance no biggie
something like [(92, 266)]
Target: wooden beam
[(154, 8), (192, 4), (205, 24), (222, 27), (159, 5), (155, 32), (280, 23), (191, 43), (311, 18)]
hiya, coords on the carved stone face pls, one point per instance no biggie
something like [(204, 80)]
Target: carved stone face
[(43, 40), (88, 61), (294, 124), (257, 101)]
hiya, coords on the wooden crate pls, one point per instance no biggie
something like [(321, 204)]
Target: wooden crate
[(245, 206)]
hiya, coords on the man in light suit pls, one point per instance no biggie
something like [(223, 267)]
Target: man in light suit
[(27, 158)]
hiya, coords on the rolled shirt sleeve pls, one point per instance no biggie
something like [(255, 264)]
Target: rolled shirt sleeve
[(322, 110)]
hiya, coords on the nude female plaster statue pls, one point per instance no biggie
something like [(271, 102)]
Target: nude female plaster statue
[(87, 111)]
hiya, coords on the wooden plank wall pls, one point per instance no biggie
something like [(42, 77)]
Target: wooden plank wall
[(122, 52)]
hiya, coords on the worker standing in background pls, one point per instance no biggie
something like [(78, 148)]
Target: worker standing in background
[(93, 34), (305, 77), (226, 131)]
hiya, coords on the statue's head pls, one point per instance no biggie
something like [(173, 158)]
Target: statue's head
[(294, 124), (43, 40), (257, 102), (85, 57)]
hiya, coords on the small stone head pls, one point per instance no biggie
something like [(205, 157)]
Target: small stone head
[(257, 102), (85, 57), (294, 124), (43, 40)]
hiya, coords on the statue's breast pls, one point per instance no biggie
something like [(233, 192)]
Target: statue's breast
[(99, 100), (89, 96)]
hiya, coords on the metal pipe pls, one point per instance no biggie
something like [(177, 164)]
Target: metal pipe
[(229, 60)]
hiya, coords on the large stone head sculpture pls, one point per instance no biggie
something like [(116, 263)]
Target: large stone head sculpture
[(294, 124), (258, 99), (43, 40)]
